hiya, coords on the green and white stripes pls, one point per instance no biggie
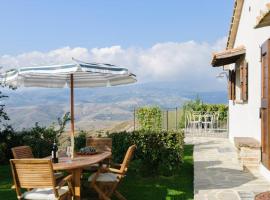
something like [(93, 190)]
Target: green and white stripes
[(58, 76)]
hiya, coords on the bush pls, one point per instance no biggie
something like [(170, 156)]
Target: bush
[(8, 139), (149, 118), (39, 138), (157, 152), (80, 140)]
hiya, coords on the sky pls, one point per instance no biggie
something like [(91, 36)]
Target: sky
[(158, 40)]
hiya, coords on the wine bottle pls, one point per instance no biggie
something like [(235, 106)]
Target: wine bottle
[(54, 153)]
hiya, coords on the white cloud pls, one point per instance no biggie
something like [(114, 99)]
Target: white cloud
[(185, 62)]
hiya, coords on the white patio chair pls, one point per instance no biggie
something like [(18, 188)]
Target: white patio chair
[(207, 121), (196, 120)]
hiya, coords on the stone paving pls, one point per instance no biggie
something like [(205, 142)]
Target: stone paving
[(218, 174)]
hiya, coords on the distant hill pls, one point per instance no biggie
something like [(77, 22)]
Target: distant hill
[(98, 108)]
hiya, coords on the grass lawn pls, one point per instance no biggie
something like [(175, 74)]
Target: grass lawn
[(5, 184), (179, 186)]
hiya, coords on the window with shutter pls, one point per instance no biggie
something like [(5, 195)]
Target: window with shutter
[(231, 85), (238, 83), (244, 81)]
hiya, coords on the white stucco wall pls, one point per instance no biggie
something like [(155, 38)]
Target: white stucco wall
[(244, 118)]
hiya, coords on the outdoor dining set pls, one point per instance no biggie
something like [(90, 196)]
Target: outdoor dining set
[(40, 178), (201, 121)]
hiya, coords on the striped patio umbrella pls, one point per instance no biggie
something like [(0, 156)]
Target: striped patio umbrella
[(76, 75)]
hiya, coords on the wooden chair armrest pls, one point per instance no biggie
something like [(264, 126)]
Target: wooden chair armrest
[(105, 169), (113, 170), (67, 180)]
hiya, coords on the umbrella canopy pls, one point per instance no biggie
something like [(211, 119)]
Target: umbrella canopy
[(75, 75), (58, 76)]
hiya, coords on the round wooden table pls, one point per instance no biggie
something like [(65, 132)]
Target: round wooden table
[(76, 165)]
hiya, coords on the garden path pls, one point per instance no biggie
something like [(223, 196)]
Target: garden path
[(218, 174)]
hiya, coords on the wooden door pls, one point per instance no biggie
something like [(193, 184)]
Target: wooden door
[(265, 104)]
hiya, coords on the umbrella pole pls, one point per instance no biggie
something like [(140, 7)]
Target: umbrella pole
[(72, 114)]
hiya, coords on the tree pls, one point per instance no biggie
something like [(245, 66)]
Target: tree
[(3, 115)]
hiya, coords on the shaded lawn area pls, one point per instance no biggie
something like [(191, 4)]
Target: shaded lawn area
[(5, 184), (177, 187)]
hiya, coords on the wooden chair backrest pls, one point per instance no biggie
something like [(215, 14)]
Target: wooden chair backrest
[(22, 152), (127, 159), (100, 144), (32, 173)]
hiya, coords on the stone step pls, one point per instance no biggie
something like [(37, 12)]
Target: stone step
[(249, 157), (250, 160), (250, 154), (251, 168)]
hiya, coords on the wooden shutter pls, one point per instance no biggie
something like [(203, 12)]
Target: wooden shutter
[(265, 104), (244, 80), (231, 85)]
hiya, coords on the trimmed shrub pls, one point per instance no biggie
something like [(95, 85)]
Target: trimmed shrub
[(158, 153), (149, 118)]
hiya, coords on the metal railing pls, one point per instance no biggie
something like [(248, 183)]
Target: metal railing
[(206, 124)]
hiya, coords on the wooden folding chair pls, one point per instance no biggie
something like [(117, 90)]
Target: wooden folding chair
[(37, 177), (106, 181), (101, 145), (22, 152)]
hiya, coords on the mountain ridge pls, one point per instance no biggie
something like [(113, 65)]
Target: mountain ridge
[(97, 108)]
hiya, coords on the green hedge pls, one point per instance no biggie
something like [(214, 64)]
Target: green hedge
[(157, 152), (8, 139), (39, 138), (149, 118)]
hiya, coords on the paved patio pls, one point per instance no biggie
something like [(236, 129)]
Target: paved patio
[(218, 175)]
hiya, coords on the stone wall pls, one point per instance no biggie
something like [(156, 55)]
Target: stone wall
[(249, 153)]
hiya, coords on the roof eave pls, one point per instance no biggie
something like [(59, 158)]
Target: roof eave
[(228, 56), (264, 18), (238, 7)]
